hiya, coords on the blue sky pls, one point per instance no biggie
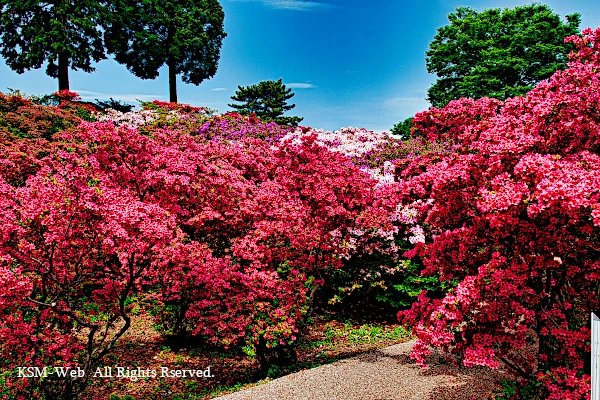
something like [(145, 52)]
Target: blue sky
[(350, 63)]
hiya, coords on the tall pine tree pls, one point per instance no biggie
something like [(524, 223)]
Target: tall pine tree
[(268, 100)]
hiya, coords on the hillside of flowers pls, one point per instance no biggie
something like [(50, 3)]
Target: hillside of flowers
[(482, 230)]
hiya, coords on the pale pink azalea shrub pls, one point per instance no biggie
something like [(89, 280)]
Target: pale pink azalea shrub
[(354, 143), (514, 224), (133, 119)]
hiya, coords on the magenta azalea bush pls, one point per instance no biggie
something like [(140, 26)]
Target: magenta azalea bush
[(513, 219), (227, 227)]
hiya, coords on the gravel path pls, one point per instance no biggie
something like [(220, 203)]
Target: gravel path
[(385, 374)]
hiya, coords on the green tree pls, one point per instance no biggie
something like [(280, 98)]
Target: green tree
[(268, 100), (497, 53), (186, 35), (64, 33), (402, 128)]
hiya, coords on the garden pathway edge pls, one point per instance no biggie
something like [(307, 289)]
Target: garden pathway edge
[(386, 374)]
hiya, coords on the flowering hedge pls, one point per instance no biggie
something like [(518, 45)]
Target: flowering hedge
[(514, 221), (226, 226)]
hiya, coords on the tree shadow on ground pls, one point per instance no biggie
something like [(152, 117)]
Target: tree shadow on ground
[(454, 381)]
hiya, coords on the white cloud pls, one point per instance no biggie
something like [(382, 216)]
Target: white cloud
[(128, 98), (399, 102), (299, 85), (298, 5), (218, 89)]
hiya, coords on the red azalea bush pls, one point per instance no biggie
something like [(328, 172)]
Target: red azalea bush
[(230, 238), (73, 248), (68, 100), (28, 133), (514, 222), (20, 118), (272, 209), (166, 105)]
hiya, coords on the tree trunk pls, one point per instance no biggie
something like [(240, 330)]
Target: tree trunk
[(172, 82), (63, 71), (278, 356)]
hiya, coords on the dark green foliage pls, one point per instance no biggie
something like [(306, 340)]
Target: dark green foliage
[(64, 33), (116, 397), (268, 100), (402, 129), (511, 390), (272, 359), (376, 284), (115, 105), (497, 53), (170, 319), (186, 35)]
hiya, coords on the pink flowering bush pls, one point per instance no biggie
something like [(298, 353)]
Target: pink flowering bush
[(235, 235), (233, 126), (376, 252), (354, 143), (27, 134), (72, 250), (375, 277), (254, 225), (514, 224)]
